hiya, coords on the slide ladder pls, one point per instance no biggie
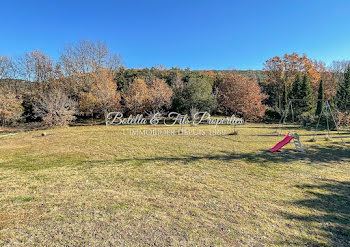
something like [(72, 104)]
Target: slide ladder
[(298, 145)]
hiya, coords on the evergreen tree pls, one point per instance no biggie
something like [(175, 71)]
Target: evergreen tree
[(320, 98), (296, 87), (347, 89), (295, 94), (306, 94), (197, 92), (342, 99), (285, 95)]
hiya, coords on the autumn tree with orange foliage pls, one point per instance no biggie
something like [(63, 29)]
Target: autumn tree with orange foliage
[(102, 95), (104, 90), (329, 81), (87, 104), (161, 94), (241, 96), (281, 72), (141, 97), (138, 98)]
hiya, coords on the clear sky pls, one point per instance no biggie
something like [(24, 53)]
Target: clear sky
[(177, 33)]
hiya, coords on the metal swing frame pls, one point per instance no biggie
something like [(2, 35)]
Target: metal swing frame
[(326, 107)]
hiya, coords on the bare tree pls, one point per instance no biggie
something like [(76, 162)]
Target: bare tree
[(177, 84), (54, 107), (35, 66), (10, 74), (88, 56), (338, 69), (5, 67)]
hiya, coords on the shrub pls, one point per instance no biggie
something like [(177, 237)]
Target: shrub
[(343, 118)]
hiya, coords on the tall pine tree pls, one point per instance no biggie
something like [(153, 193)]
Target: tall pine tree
[(285, 96), (296, 94), (320, 98), (342, 99), (296, 87), (306, 94)]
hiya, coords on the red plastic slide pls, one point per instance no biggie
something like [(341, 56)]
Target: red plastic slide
[(279, 145)]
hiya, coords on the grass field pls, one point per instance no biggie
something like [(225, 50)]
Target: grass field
[(95, 186)]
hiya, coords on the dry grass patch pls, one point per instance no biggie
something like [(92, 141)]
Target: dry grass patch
[(94, 186)]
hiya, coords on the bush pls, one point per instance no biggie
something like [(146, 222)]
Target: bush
[(308, 118), (343, 118), (272, 114)]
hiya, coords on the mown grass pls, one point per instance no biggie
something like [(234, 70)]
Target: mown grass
[(95, 186)]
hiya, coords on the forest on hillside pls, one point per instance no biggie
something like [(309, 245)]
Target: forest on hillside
[(89, 80)]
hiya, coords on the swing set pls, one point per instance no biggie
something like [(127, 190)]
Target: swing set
[(326, 112)]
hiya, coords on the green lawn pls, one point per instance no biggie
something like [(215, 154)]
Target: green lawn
[(95, 186)]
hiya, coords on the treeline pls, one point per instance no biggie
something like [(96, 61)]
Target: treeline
[(89, 80), (309, 83)]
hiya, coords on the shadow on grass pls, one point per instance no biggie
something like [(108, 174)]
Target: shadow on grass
[(329, 203), (333, 134), (314, 155)]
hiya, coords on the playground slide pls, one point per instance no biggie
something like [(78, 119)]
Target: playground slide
[(279, 145)]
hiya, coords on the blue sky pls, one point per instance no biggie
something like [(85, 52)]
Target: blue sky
[(196, 34)]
